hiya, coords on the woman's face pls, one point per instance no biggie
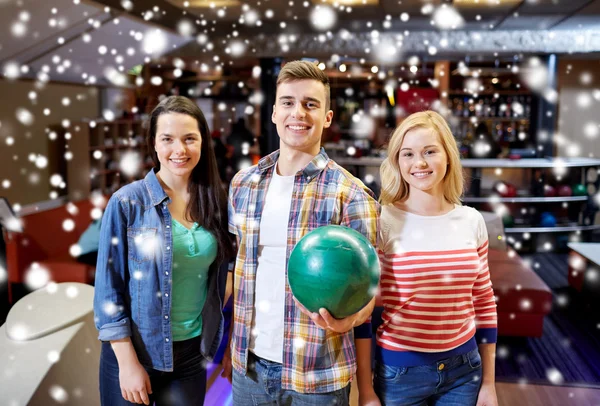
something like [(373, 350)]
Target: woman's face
[(423, 160), (178, 143)]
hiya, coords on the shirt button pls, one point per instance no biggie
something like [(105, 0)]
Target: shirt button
[(167, 317), (168, 226), (166, 294), (441, 366), (166, 339), (166, 273)]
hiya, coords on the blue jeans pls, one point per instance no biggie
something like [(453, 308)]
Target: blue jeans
[(262, 386), (185, 386), (454, 381)]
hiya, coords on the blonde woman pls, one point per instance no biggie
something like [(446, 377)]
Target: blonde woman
[(436, 343)]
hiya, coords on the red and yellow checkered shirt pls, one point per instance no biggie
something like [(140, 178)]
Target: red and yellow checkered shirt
[(314, 360)]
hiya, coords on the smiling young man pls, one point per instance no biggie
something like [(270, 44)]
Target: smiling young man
[(280, 353)]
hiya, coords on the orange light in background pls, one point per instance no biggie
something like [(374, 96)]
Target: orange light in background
[(213, 3), (485, 3), (353, 3)]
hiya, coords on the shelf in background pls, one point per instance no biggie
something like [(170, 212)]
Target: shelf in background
[(557, 229), (111, 147), (524, 199), (500, 119), (488, 93), (549, 162)]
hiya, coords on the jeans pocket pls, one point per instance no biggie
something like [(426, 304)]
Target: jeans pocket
[(388, 372), (474, 359)]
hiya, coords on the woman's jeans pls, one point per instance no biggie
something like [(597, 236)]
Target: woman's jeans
[(454, 381), (185, 386)]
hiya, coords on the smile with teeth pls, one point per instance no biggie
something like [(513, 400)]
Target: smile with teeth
[(179, 161), (298, 127), (421, 174)]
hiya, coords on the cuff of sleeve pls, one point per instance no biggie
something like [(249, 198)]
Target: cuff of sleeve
[(486, 335), (115, 331), (363, 331)]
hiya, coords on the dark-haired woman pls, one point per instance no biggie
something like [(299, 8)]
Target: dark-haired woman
[(162, 266)]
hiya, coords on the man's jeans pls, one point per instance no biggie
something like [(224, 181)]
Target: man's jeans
[(262, 386), (454, 381), (185, 386)]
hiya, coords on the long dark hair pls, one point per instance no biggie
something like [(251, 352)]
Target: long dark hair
[(208, 199)]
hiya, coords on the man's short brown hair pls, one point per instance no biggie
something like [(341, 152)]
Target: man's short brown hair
[(301, 70)]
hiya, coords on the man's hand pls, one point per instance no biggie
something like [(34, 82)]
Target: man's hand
[(226, 363), (326, 321), (487, 395)]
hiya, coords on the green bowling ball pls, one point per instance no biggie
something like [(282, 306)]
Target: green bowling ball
[(579, 190), (334, 267), (508, 220)]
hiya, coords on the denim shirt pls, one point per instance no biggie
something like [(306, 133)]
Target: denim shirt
[(133, 277)]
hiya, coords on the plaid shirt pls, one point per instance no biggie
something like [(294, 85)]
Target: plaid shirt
[(314, 360)]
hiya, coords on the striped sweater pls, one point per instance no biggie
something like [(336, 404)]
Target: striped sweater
[(435, 286)]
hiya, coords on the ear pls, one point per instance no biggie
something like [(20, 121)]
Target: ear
[(328, 119), (273, 116)]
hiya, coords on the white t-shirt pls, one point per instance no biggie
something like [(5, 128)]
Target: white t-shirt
[(266, 339)]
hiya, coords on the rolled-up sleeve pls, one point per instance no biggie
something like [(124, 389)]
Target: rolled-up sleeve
[(361, 212), (111, 308)]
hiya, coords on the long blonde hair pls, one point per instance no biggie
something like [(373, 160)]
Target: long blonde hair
[(393, 186)]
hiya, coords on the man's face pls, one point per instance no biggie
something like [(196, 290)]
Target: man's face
[(300, 116)]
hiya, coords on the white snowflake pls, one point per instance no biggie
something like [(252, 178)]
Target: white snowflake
[(323, 18), (75, 250), (554, 376), (447, 17), (59, 394), (24, 116), (130, 163), (154, 42), (53, 356), (263, 306), (36, 276), (110, 308), (68, 225)]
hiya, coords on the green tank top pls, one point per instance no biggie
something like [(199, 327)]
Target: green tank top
[(194, 250)]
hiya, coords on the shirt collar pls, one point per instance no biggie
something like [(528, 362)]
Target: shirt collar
[(314, 167), (157, 193)]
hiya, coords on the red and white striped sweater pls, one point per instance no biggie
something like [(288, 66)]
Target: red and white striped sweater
[(435, 286)]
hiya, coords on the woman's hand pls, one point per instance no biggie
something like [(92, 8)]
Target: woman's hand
[(487, 395), (367, 397), (133, 378), (135, 383)]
